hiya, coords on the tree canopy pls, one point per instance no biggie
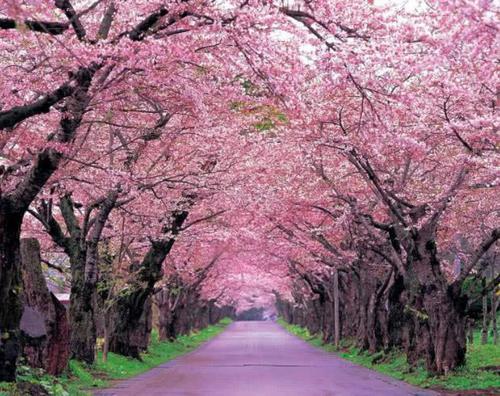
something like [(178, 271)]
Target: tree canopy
[(251, 149)]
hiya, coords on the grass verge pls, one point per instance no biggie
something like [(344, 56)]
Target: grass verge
[(80, 379), (472, 376)]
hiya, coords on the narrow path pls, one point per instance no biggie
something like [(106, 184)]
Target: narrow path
[(260, 359)]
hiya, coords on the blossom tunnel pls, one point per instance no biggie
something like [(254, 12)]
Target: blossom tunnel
[(169, 163)]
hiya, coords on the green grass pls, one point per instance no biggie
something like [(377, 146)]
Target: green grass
[(471, 376), (80, 378)]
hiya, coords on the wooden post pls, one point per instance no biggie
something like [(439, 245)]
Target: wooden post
[(470, 331), (484, 329), (336, 313), (105, 346), (494, 305)]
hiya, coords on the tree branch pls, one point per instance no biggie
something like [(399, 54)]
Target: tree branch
[(139, 32), (53, 266), (68, 213), (493, 284), (106, 22), (105, 209), (483, 248), (48, 159), (9, 118), (52, 28), (69, 11), (211, 216)]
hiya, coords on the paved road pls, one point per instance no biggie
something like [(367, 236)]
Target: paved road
[(260, 359)]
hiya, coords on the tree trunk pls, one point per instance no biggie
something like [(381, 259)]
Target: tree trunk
[(44, 324), (365, 309), (350, 295), (446, 325), (437, 308), (164, 314), (180, 320), (373, 336), (213, 312), (10, 289), (132, 328), (81, 246), (397, 318), (81, 313), (327, 325), (170, 329), (132, 323)]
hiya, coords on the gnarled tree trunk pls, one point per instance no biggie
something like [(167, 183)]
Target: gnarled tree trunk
[(80, 243), (81, 312), (437, 309), (131, 305), (10, 288), (132, 323), (44, 324)]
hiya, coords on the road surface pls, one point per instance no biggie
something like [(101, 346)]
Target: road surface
[(260, 359)]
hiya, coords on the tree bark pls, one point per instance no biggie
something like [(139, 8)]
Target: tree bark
[(81, 312), (10, 288), (83, 300), (132, 323), (171, 301), (437, 308), (162, 301), (129, 306), (44, 324)]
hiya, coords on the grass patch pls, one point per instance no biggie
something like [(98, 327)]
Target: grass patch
[(80, 378), (471, 376)]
